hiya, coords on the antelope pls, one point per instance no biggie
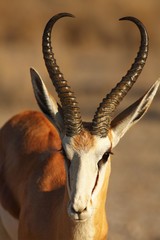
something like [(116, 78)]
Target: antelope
[(55, 168)]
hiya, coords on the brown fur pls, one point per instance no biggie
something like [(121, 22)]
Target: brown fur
[(83, 141), (33, 179), (29, 145)]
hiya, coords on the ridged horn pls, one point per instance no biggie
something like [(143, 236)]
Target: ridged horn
[(71, 111), (102, 118)]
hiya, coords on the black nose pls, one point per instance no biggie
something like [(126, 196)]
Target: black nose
[(78, 211)]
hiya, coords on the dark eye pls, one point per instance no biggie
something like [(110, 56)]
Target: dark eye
[(104, 159)]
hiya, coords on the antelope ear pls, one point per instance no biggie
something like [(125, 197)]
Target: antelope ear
[(46, 102), (122, 123)]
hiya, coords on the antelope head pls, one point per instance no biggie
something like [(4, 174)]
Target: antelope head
[(87, 146)]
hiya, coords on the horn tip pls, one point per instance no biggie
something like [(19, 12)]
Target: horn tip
[(132, 19), (127, 18), (65, 14)]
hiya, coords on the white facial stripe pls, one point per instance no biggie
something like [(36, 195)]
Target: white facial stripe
[(102, 145), (84, 176), (84, 172)]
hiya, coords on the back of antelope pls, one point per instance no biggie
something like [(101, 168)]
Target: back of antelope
[(54, 168)]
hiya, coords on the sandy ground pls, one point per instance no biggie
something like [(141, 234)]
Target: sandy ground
[(94, 52)]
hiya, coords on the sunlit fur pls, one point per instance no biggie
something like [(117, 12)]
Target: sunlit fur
[(56, 187), (33, 176)]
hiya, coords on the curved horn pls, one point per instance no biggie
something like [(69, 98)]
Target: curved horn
[(71, 111), (102, 118)]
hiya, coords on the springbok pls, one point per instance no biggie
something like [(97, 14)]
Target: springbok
[(54, 172)]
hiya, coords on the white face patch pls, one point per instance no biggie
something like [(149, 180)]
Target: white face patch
[(85, 174)]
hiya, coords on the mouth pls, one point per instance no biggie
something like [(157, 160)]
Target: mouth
[(79, 220)]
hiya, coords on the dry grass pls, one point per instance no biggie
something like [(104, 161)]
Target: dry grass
[(94, 51)]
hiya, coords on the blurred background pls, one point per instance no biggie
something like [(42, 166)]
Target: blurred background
[(94, 51)]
